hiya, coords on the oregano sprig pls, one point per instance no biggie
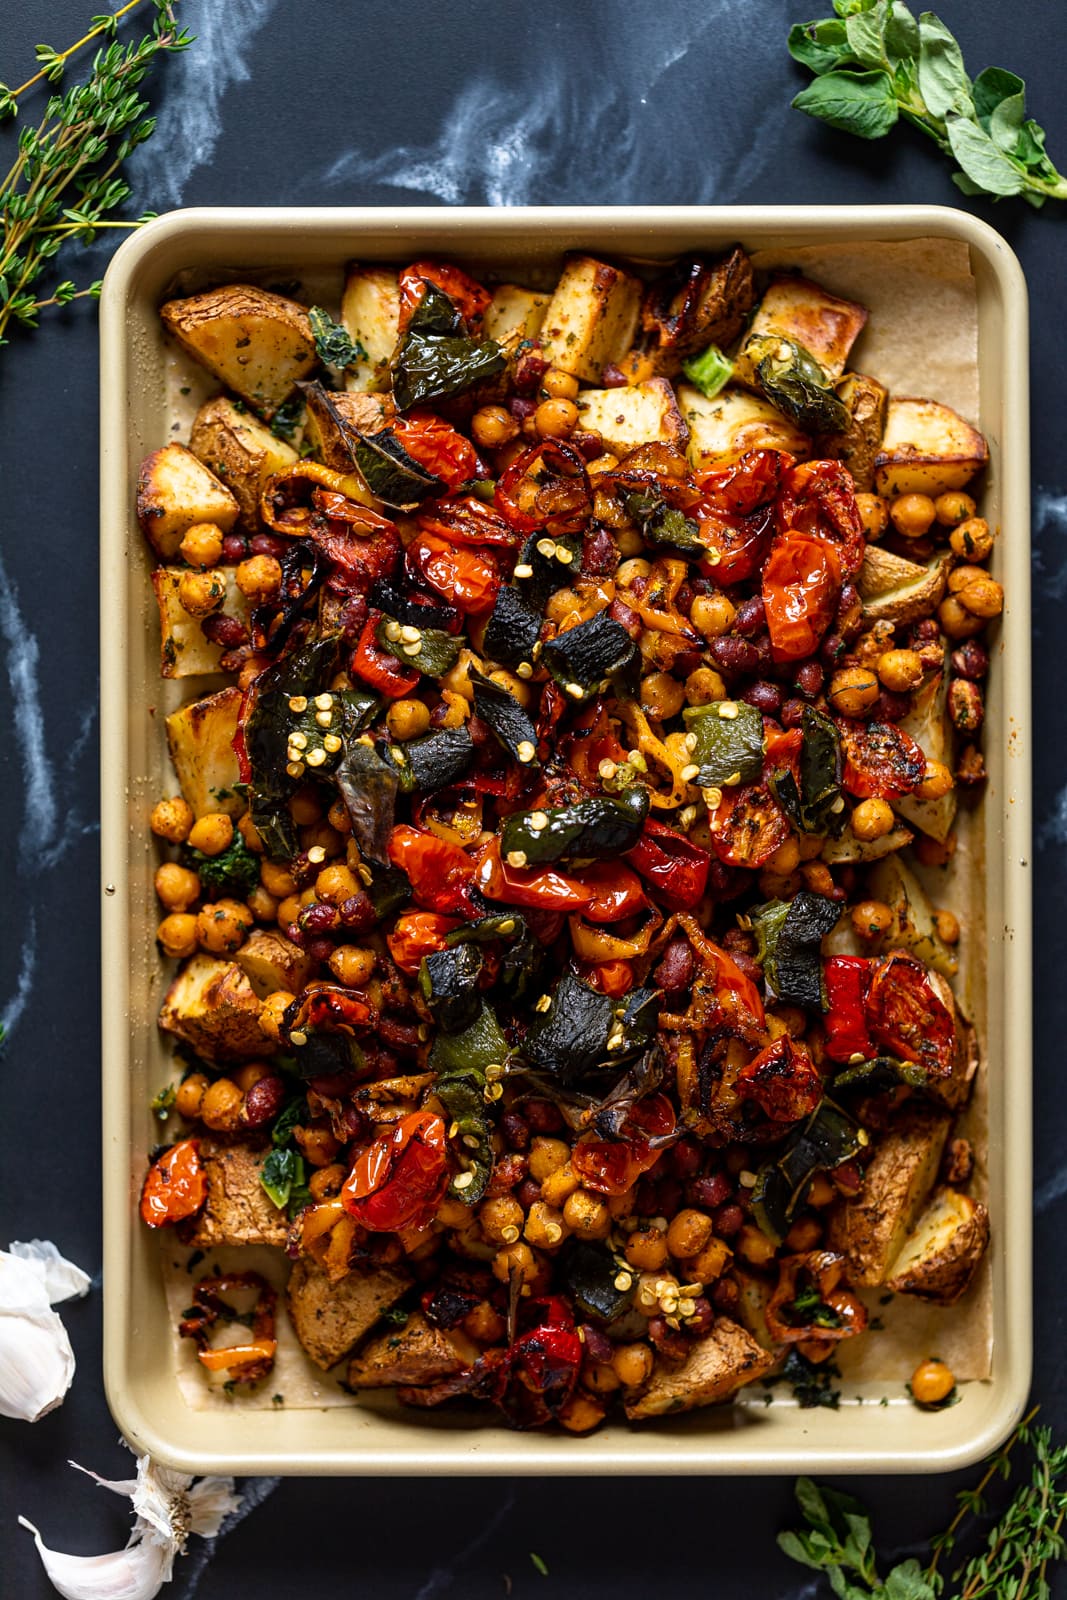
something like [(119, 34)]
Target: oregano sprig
[(65, 183), (875, 63)]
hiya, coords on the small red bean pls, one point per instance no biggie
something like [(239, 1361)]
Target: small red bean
[(626, 617), (750, 617), (971, 660), (542, 1116), (321, 917), (728, 1220), (832, 649), (711, 1191), (613, 377), (234, 548), (792, 714), (600, 553), (515, 1130), (263, 1101), (725, 1295), (674, 971), (357, 913), (268, 544), (320, 950), (809, 679), (733, 655), (766, 697), (668, 1341), (685, 1158), (224, 631), (598, 1346), (703, 1317), (528, 1193)]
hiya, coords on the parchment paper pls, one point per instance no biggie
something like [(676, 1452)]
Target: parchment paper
[(921, 339)]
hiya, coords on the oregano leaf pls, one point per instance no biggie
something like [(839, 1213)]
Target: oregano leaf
[(861, 103), (864, 33), (980, 159), (819, 46), (991, 86), (943, 81), (901, 33)]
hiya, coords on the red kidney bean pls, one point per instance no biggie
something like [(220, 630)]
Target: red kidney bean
[(733, 655), (588, 445), (542, 1116), (685, 662), (971, 660), (749, 967), (626, 617), (685, 1158), (515, 1130), (234, 547), (750, 618), (521, 409), (711, 1191), (357, 913), (668, 1196), (766, 697), (600, 553), (809, 679), (831, 650), (725, 1295), (728, 1220), (849, 612), (735, 939), (349, 1124), (295, 935), (268, 544), (262, 1102), (890, 707), (320, 950), (598, 1346), (508, 1171), (613, 377), (528, 1192), (675, 969), (668, 1341), (529, 370), (703, 1316), (319, 918), (792, 713), (224, 631)]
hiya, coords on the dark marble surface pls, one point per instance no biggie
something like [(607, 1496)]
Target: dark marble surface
[(344, 102)]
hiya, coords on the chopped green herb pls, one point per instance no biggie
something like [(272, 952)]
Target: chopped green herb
[(332, 342), (163, 1102), (539, 1564)]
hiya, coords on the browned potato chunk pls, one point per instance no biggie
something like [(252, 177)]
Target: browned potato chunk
[(797, 309), (370, 312), (257, 343), (212, 1006), (591, 318), (721, 430), (625, 418), (335, 422), (515, 314), (870, 1229), (914, 927), (240, 451), (942, 1254), (929, 724), (927, 448), (416, 1354), (200, 737), (184, 652), (899, 591), (329, 1318), (847, 847), (859, 443), (174, 491), (239, 1209), (716, 1367), (270, 961), (695, 304)]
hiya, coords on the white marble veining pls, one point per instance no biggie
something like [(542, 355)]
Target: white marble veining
[(442, 1577), (191, 1569)]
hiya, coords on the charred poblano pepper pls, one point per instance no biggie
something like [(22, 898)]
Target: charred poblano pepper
[(513, 628), (426, 650), (281, 694), (369, 786), (436, 358), (794, 381), (594, 653), (390, 473), (546, 564), (660, 523), (815, 804), (469, 1066), (431, 761), (789, 936), (590, 829), (729, 742), (823, 1142), (881, 1072), (588, 1272), (448, 980), (520, 956), (508, 721)]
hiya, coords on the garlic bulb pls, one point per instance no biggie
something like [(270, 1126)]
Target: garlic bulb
[(36, 1359), (169, 1507)]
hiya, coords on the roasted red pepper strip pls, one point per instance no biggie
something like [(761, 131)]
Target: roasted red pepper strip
[(830, 1313), (547, 487), (469, 298), (612, 1166), (847, 980), (466, 520), (782, 1080), (907, 1017), (440, 873), (400, 1180), (435, 445), (614, 978), (175, 1186), (676, 869), (466, 579), (529, 886), (801, 584), (376, 666), (418, 934)]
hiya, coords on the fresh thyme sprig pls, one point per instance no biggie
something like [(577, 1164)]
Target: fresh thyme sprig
[(1012, 1564), (64, 183)]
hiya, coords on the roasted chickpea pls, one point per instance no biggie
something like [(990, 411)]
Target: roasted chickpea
[(515, 686), (321, 836), (201, 593), (484, 1323), (874, 515), (633, 1364), (973, 539), (517, 1257), (289, 910), (873, 819), (822, 1190), (587, 1215), (213, 834), (934, 852), (931, 1382), (804, 1235), (629, 572), (871, 918), (688, 1233), (646, 1249), (336, 884), (177, 934), (753, 1244), (190, 1095), (948, 927), (172, 819), (262, 905), (318, 1145), (501, 1219), (937, 782), (710, 1263), (352, 965), (201, 545), (704, 685), (581, 1413), (547, 1155), (601, 1378), (220, 1108), (305, 806), (900, 670), (953, 507), (556, 419), (271, 1012), (712, 614), (983, 597), (326, 1182), (559, 1185), (661, 695), (785, 859), (493, 426), (250, 834), (853, 691), (338, 817), (956, 621), (259, 578), (545, 1227), (817, 877), (558, 385), (407, 719), (912, 515), (177, 887), (223, 926), (276, 879), (250, 1072)]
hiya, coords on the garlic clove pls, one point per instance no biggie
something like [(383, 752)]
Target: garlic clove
[(61, 1278), (36, 1359), (136, 1573)]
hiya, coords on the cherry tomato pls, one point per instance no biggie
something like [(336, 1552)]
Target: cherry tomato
[(676, 869), (819, 497), (418, 934), (469, 298), (735, 990), (440, 873), (880, 760), (801, 584), (847, 979), (435, 445), (466, 520), (616, 891), (593, 739), (400, 1180), (330, 1009), (907, 1017), (466, 579), (748, 826), (746, 485), (546, 488), (175, 1186), (781, 752), (736, 545), (782, 1080), (614, 978), (543, 886), (612, 1166), (379, 667)]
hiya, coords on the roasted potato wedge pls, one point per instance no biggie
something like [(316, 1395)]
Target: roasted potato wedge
[(515, 314), (899, 591), (796, 309), (716, 1367), (175, 490), (370, 312), (913, 928), (239, 1210), (941, 1255), (721, 430), (334, 419), (213, 1007), (696, 304), (927, 448), (240, 451), (869, 1229), (647, 413), (929, 724), (184, 652), (859, 443), (329, 1318), (415, 1355), (847, 848), (200, 737), (270, 961), (258, 344), (591, 318)]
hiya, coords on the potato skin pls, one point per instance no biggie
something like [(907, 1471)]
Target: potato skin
[(212, 1006), (899, 591), (238, 1210), (174, 491), (240, 451), (940, 1267), (200, 737), (717, 1366), (927, 448), (859, 443), (870, 1229), (257, 343)]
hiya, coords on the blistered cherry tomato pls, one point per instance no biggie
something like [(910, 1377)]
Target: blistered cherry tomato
[(175, 1186), (801, 584), (612, 1166), (400, 1180)]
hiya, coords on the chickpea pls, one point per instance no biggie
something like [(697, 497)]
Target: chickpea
[(321, 834), (545, 1227), (661, 695), (201, 545), (501, 1219), (259, 578), (326, 1182), (564, 604), (703, 686), (250, 834), (517, 1257), (786, 858), (338, 817), (804, 1235), (816, 876), (948, 927), (688, 1233), (223, 926), (873, 819), (493, 426), (754, 1245), (601, 1378), (646, 1249), (587, 1215), (213, 834), (272, 1011), (352, 965), (931, 1382), (871, 919), (547, 1155), (629, 541), (874, 515), (633, 1363), (201, 593), (220, 1108), (629, 572), (484, 1323), (983, 597), (933, 852), (937, 782), (177, 934), (556, 419), (650, 1286), (289, 910), (305, 806), (318, 1145), (407, 719), (581, 1414), (519, 690), (276, 879), (710, 1263), (712, 614), (956, 621), (262, 905), (822, 1190), (973, 539), (172, 819), (190, 1095), (336, 884), (912, 515), (559, 385), (457, 679), (793, 1018), (900, 670), (560, 1185), (176, 886), (853, 691), (953, 507)]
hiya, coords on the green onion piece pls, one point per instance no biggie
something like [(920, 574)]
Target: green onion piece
[(710, 371)]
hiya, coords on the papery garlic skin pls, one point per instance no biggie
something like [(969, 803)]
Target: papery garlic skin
[(61, 1278), (136, 1573), (36, 1359)]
